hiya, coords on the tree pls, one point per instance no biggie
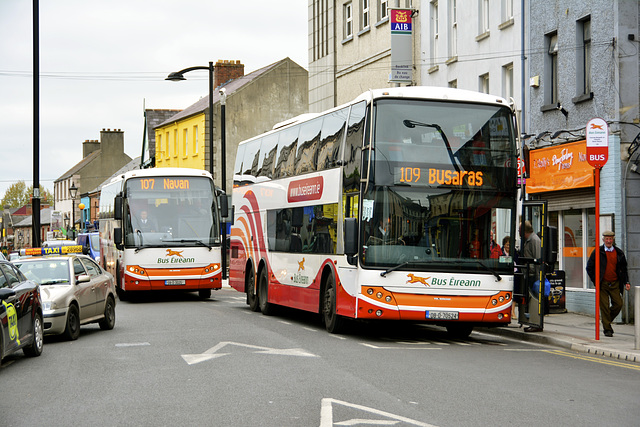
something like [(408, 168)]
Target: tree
[(18, 194)]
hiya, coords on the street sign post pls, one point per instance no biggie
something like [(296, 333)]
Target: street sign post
[(597, 133)]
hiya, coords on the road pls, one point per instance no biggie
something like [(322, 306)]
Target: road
[(175, 360)]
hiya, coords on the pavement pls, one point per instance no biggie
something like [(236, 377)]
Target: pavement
[(577, 332)]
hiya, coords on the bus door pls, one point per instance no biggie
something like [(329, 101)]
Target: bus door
[(535, 259)]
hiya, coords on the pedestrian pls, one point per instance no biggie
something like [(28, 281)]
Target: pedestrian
[(532, 248), (614, 279)]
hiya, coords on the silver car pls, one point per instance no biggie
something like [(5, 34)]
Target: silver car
[(75, 291)]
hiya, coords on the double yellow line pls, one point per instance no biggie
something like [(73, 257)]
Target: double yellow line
[(610, 362)]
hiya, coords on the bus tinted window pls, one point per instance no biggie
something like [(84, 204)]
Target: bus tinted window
[(331, 138), (353, 147), (251, 157), (306, 157), (287, 152), (268, 151), (309, 229)]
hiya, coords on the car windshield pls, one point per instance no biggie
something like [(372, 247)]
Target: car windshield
[(46, 272)]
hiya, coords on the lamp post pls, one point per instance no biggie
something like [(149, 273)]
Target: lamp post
[(73, 192), (178, 76)]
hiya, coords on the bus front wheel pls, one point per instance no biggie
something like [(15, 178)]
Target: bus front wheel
[(333, 322), (263, 293)]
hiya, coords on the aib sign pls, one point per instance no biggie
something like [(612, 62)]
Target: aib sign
[(597, 142)]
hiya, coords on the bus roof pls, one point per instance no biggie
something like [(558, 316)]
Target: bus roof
[(431, 93)]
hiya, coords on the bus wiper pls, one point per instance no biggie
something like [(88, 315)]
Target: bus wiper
[(412, 124), (196, 241), (402, 264), (489, 269)]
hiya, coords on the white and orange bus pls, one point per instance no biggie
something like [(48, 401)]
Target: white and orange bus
[(383, 208), (160, 229)]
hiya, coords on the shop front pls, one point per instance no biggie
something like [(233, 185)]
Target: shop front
[(561, 175)]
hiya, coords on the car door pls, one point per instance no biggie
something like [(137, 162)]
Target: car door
[(14, 312), (84, 291), (100, 283)]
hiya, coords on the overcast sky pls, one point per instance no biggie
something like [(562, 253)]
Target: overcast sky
[(102, 62)]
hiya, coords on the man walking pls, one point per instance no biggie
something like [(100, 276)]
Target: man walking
[(614, 278)]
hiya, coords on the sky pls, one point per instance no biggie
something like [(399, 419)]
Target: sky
[(103, 62)]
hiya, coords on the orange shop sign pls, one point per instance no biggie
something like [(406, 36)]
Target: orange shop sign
[(561, 167)]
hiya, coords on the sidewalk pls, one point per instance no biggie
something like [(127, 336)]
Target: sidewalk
[(577, 332)]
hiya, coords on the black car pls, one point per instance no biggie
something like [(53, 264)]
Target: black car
[(20, 313)]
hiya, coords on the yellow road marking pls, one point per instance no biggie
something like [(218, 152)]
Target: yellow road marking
[(619, 364)]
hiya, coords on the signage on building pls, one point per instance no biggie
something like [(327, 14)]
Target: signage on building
[(597, 142), (401, 46), (561, 167)]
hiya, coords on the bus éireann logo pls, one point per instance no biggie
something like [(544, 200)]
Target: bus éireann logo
[(301, 265), (418, 279), (174, 253)]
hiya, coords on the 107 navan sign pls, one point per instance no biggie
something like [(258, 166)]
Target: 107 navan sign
[(597, 142)]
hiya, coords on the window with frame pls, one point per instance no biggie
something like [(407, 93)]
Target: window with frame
[(348, 20), (175, 142), (159, 146), (584, 56), (507, 10), (364, 15), (453, 29), (484, 83), (435, 32), (195, 139), (483, 16), (507, 81), (383, 12), (185, 142), (551, 69), (168, 148)]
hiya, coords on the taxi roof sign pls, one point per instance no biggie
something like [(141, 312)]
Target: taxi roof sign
[(60, 250)]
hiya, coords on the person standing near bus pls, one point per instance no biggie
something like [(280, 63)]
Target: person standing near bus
[(532, 249), (614, 279)]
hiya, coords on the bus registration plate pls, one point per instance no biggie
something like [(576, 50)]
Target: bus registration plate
[(442, 315), (174, 282)]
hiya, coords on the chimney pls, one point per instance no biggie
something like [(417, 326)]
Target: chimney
[(225, 71), (112, 141), (89, 146)]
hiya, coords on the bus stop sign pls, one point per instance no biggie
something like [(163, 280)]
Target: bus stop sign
[(597, 142)]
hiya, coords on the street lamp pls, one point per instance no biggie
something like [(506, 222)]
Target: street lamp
[(178, 76), (73, 192)]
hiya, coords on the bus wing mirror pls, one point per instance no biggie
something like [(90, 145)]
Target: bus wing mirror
[(223, 206), (117, 207), (350, 236), (550, 245), (117, 238)]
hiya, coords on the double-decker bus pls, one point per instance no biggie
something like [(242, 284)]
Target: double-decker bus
[(160, 229), (383, 208)]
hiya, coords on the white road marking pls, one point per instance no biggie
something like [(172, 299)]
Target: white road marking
[(326, 416), (132, 344), (192, 359)]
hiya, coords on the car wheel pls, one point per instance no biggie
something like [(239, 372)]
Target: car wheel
[(252, 296), (109, 320), (72, 331), (333, 322), (263, 293), (35, 348), (204, 293)]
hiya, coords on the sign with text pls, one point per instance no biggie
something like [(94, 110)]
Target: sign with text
[(401, 46), (560, 167), (597, 142)]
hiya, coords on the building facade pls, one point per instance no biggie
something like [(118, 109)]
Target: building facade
[(350, 49), (583, 63)]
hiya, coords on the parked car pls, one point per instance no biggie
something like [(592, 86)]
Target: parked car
[(21, 326), (75, 291), (90, 243)]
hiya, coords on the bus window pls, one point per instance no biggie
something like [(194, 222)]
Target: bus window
[(268, 151), (237, 170), (251, 157), (287, 144), (307, 156), (331, 138), (352, 152)]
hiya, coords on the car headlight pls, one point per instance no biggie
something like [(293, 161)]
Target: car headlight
[(46, 306)]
